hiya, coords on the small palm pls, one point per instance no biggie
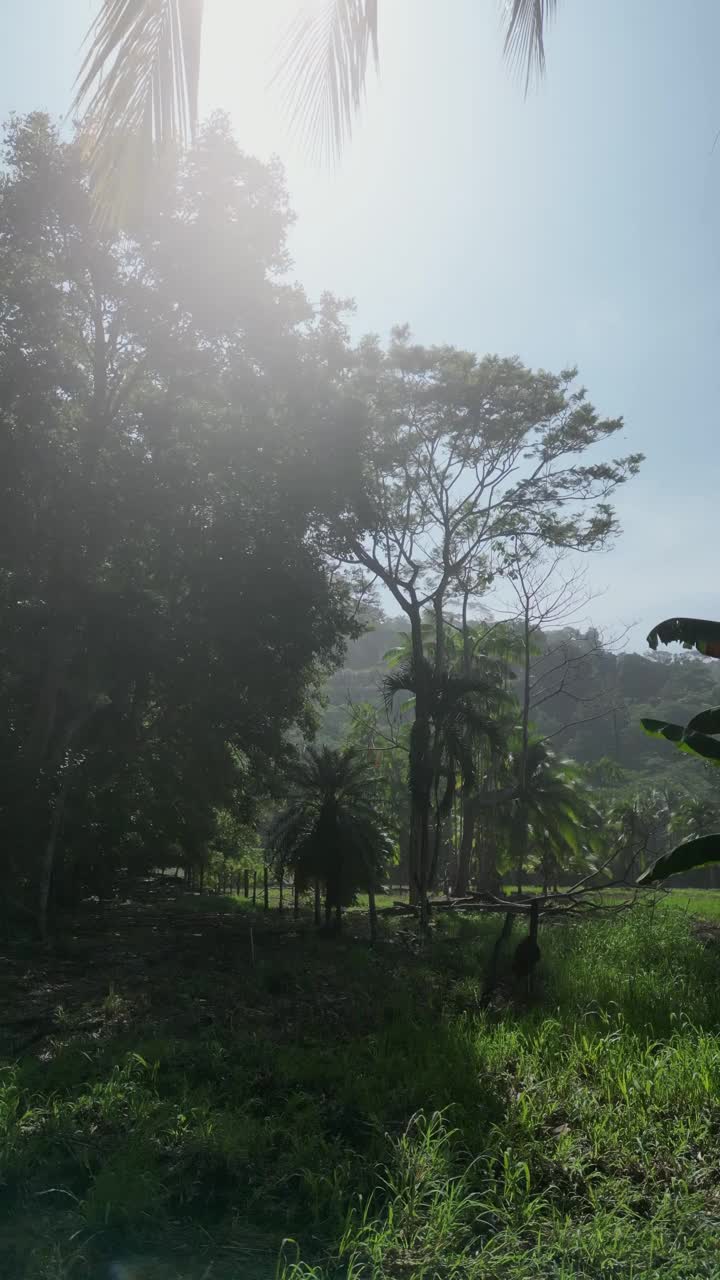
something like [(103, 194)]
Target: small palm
[(329, 830)]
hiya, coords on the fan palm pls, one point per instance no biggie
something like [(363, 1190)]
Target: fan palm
[(329, 830), (138, 85), (550, 811)]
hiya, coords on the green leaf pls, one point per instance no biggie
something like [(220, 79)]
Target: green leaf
[(707, 721), (687, 856), (697, 744), (663, 729)]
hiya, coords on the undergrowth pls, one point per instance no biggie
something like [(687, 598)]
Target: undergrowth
[(353, 1113)]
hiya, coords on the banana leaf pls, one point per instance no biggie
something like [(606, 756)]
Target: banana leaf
[(692, 633), (696, 744), (705, 721), (685, 857)]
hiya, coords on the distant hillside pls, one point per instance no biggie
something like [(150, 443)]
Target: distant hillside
[(360, 679), (593, 699)]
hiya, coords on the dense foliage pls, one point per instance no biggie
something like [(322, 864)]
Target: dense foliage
[(593, 704), (174, 452)]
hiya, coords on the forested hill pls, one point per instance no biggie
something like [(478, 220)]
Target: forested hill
[(589, 699)]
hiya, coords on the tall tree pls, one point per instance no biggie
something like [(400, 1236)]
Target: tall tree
[(462, 455)]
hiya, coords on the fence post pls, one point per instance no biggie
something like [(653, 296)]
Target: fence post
[(266, 898)]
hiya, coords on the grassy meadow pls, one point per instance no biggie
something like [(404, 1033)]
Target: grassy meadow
[(336, 1110)]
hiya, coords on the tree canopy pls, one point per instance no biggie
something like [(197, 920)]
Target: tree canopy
[(174, 453)]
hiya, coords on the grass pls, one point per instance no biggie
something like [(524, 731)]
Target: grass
[(342, 1112), (704, 903)]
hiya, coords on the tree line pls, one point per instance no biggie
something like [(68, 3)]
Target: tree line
[(203, 475)]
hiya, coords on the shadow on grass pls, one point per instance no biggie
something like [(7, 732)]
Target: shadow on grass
[(219, 1105)]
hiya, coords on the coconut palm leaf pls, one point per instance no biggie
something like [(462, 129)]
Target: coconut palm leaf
[(137, 89), (527, 22), (323, 69)]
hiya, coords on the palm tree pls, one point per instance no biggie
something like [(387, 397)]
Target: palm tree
[(551, 812), (462, 713), (329, 831), (479, 653), (138, 86), (640, 822)]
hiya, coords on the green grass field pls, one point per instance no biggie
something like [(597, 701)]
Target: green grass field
[(340, 1111)]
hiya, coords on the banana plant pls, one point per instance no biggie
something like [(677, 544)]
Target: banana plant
[(699, 737)]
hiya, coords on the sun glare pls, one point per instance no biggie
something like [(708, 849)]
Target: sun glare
[(241, 52)]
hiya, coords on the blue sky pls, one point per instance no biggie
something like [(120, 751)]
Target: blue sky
[(578, 226)]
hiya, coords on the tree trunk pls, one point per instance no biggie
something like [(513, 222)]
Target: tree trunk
[(48, 859), (266, 896), (317, 913), (280, 895), (372, 912), (254, 892), (296, 899), (522, 806), (469, 821), (488, 878), (61, 644), (338, 915), (420, 778), (246, 883)]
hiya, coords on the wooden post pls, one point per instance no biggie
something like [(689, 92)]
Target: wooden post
[(266, 900), (246, 884), (254, 895), (280, 898), (296, 899)]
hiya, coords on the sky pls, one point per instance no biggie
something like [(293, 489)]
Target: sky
[(579, 225)]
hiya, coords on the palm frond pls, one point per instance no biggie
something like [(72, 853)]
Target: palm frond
[(526, 22), (323, 68), (137, 89), (402, 679)]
